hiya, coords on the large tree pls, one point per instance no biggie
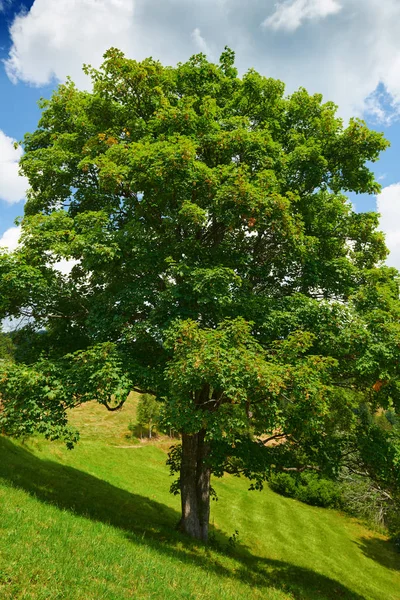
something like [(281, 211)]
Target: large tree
[(217, 264)]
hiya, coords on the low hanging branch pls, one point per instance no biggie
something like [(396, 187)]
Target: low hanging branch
[(114, 408), (300, 469), (122, 402), (278, 436), (144, 391)]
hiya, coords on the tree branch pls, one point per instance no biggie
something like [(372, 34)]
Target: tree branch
[(273, 437), (114, 408), (144, 391), (300, 469)]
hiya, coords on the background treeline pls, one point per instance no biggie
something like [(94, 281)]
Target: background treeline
[(149, 419)]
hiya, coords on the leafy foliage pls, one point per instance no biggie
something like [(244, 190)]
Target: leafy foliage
[(37, 398), (7, 348), (217, 263)]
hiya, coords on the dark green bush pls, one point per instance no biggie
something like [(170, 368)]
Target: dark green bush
[(307, 487), (284, 484), (318, 491)]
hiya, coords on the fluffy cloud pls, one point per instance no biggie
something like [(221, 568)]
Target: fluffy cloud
[(200, 41), (65, 266), (53, 39), (345, 49), (388, 205), (10, 238), (12, 185), (290, 14)]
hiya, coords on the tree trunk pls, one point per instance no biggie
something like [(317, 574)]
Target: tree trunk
[(195, 486)]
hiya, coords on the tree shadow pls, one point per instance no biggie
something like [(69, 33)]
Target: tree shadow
[(150, 523), (381, 551)]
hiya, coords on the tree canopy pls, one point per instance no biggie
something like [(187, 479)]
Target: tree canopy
[(216, 263)]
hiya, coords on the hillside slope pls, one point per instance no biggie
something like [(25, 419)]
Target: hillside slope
[(98, 523)]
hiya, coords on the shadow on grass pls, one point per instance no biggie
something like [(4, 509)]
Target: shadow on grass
[(381, 551), (146, 522)]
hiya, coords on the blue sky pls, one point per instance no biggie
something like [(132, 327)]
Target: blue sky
[(347, 49)]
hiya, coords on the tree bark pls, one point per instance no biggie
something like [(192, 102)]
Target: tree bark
[(195, 477)]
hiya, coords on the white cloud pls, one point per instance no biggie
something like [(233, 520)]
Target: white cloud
[(12, 324), (65, 266), (352, 59), (56, 37), (9, 241), (388, 205), (10, 238), (200, 42), (290, 14), (12, 185)]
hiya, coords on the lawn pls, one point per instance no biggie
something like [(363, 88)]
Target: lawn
[(98, 523)]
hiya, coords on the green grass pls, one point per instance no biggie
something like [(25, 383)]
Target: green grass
[(98, 523)]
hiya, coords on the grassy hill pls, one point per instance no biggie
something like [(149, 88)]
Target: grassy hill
[(97, 523)]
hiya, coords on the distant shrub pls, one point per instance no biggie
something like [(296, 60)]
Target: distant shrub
[(306, 487), (148, 412), (284, 484), (318, 491)]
